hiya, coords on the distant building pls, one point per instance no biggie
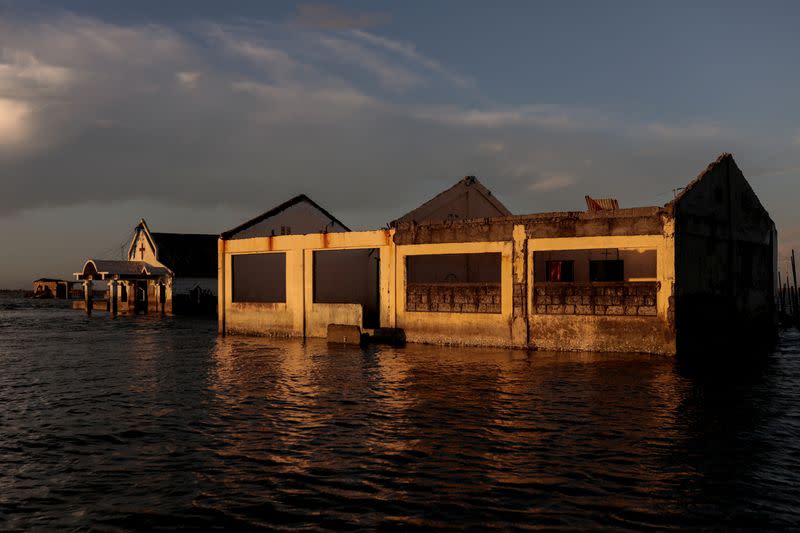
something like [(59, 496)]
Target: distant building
[(50, 288), (171, 273), (696, 274)]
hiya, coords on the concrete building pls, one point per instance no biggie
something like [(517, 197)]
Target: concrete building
[(170, 273), (698, 272), (50, 288)]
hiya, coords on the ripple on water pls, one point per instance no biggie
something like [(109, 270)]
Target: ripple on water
[(140, 423)]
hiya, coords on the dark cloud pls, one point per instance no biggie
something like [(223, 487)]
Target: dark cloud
[(94, 113), (328, 17)]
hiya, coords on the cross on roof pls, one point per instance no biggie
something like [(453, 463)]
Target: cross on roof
[(141, 252)]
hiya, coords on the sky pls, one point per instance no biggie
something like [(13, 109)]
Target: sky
[(198, 115)]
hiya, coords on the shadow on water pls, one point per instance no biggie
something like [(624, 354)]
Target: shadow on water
[(139, 423)]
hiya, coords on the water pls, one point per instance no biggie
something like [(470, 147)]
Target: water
[(140, 423)]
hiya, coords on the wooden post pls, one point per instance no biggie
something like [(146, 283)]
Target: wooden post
[(795, 303), (112, 298), (88, 296)]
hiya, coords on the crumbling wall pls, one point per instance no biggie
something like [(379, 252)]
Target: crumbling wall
[(630, 299), (454, 297), (725, 266)]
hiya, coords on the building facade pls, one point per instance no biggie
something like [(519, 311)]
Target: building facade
[(168, 273), (697, 272)]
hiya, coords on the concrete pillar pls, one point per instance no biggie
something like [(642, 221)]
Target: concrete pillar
[(88, 296), (221, 296), (112, 298)]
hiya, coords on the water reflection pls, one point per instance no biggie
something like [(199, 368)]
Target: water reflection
[(160, 423)]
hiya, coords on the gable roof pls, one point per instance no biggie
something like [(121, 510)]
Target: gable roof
[(468, 182), (115, 267), (276, 210), (185, 254), (190, 255)]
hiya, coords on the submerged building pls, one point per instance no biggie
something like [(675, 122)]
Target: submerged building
[(698, 272), (169, 273)]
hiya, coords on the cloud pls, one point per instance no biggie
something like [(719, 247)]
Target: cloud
[(391, 76), (686, 132), (188, 79), (21, 71), (91, 108), (548, 116), (551, 183), (327, 17), (14, 122), (409, 51)]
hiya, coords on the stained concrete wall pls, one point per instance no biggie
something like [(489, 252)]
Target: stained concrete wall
[(652, 333), (454, 297), (300, 315), (348, 277), (725, 263)]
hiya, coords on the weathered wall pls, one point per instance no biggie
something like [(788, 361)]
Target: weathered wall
[(638, 221), (642, 313), (602, 333), (631, 299), (445, 327), (348, 277), (299, 316), (724, 262), (454, 297), (320, 315)]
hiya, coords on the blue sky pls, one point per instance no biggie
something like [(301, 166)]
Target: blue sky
[(198, 115)]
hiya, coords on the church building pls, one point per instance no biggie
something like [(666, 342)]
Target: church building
[(169, 273)]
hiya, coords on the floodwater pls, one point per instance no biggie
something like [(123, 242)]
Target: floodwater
[(141, 423)]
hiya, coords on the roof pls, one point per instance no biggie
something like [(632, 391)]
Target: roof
[(47, 280), (467, 182), (275, 210), (111, 267), (601, 204), (190, 255)]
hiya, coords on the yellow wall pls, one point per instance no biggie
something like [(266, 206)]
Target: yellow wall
[(300, 316), (607, 333), (457, 328)]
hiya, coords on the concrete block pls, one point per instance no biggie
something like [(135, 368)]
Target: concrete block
[(555, 309), (583, 309), (344, 334), (614, 310), (599, 309), (630, 310), (392, 336), (569, 309), (647, 311)]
